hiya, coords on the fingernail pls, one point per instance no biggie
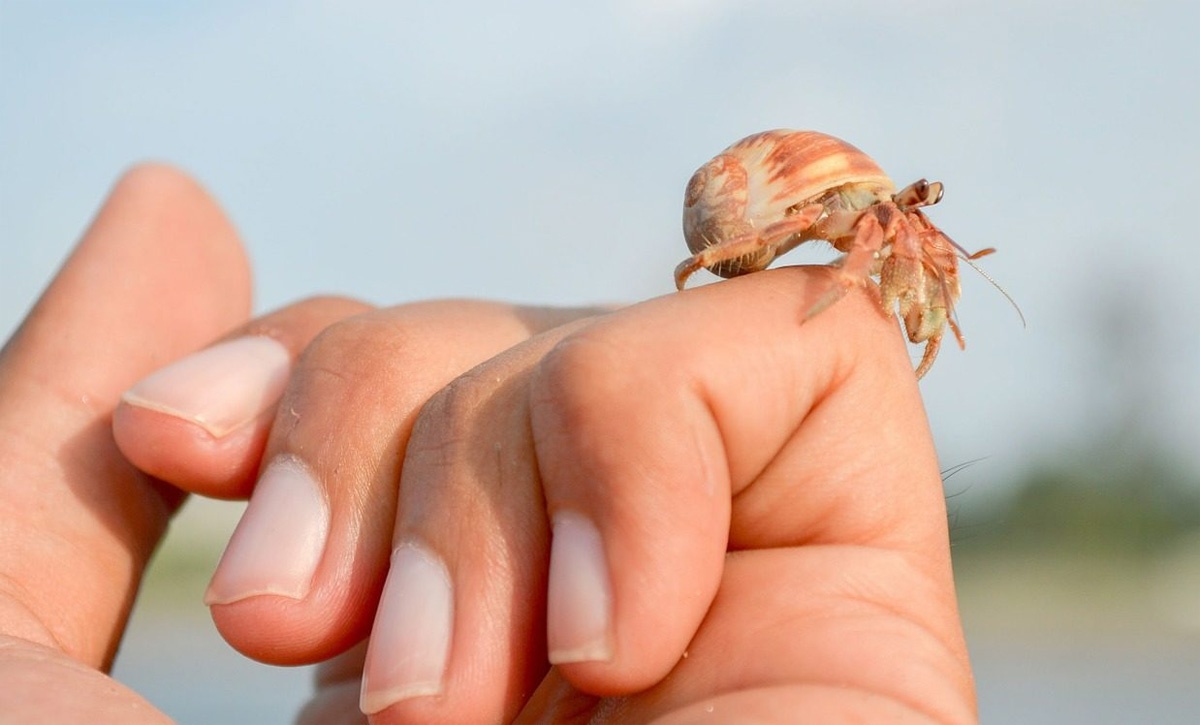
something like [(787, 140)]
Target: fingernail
[(579, 600), (220, 388), (277, 545), (410, 641)]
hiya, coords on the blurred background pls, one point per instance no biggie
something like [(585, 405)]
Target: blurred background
[(538, 151)]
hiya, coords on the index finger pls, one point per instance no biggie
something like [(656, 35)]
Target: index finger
[(650, 422), (765, 384)]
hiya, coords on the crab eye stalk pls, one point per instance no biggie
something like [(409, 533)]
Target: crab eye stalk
[(934, 193)]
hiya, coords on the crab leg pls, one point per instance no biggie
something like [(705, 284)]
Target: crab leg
[(772, 235), (931, 351), (856, 266)]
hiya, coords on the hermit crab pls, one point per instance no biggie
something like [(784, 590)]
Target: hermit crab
[(775, 190)]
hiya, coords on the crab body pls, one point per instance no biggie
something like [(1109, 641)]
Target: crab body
[(773, 191)]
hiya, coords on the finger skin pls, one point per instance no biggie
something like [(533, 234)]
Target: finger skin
[(644, 415), (348, 413), (817, 432), (782, 638), (159, 273), (469, 492), (189, 456), (34, 678), (672, 425)]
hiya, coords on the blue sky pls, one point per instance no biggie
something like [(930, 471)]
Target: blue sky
[(538, 152)]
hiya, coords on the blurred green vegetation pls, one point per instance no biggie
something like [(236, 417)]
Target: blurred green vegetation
[(1099, 542), (179, 572), (1090, 504)]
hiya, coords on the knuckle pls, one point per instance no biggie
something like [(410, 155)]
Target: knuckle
[(334, 301), (296, 324), (578, 381), (441, 427), (357, 367), (449, 413), (361, 346), (459, 433)]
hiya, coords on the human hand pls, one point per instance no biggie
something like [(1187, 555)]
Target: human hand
[(159, 274), (697, 504)]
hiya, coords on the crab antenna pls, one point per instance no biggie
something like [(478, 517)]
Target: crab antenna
[(968, 258), (947, 473), (962, 250), (995, 284)]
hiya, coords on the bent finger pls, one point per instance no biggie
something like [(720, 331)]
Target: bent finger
[(651, 422), (303, 570), (459, 634), (201, 423), (613, 438)]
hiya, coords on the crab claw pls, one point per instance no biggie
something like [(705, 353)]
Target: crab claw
[(924, 299), (902, 286)]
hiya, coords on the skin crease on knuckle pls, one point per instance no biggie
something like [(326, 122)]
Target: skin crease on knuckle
[(388, 362), (458, 416)]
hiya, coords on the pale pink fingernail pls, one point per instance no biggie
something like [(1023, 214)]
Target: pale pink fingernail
[(579, 597), (278, 543), (410, 642), (220, 388)]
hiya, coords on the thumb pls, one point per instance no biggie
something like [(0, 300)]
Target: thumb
[(159, 273)]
